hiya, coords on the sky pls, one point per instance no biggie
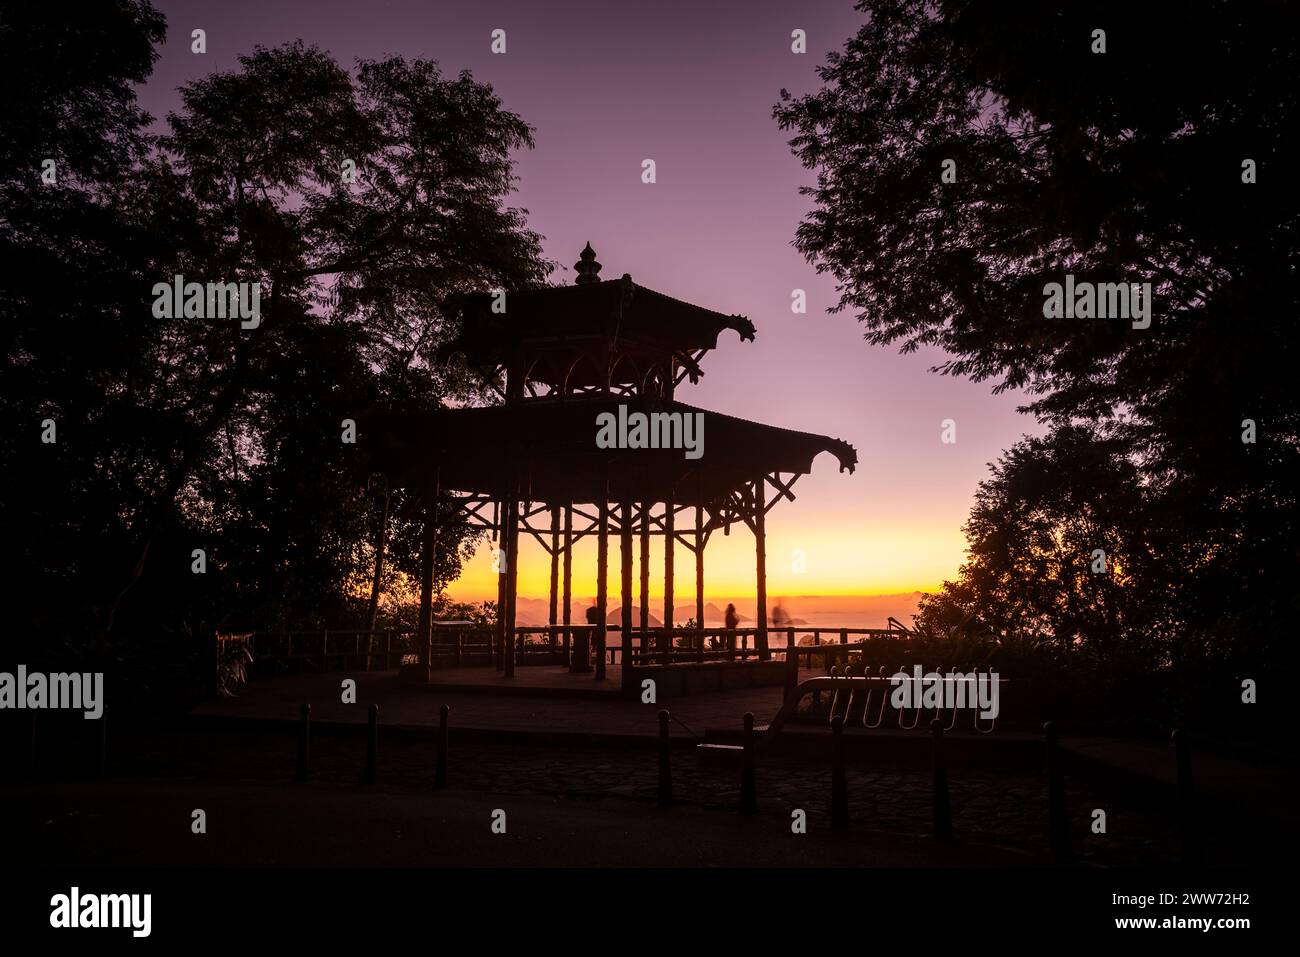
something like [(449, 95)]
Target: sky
[(690, 85)]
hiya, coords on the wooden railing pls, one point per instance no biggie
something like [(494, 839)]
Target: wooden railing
[(684, 645), (298, 651)]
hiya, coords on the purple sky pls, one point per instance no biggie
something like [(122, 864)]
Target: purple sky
[(690, 85)]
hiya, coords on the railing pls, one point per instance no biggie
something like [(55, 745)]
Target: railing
[(664, 646), (301, 651), (331, 649)]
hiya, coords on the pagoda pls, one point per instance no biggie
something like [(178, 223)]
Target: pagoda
[(559, 357)]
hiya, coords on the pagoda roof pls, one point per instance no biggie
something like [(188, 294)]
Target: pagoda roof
[(552, 444), (631, 316)]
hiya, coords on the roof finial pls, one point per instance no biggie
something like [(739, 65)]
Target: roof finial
[(586, 266)]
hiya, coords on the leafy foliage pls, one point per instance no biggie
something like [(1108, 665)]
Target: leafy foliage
[(194, 433), (1123, 166)]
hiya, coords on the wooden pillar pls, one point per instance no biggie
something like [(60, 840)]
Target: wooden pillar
[(645, 569), (602, 579), (670, 540), (760, 549), (507, 578), (670, 537), (699, 570), (512, 577), (568, 578), (500, 638), (428, 563), (625, 549), (568, 587), (552, 619)]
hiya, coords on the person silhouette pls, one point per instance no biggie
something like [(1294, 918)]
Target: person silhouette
[(780, 617), (731, 621)]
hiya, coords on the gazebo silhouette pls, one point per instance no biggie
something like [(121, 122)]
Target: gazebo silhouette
[(560, 357)]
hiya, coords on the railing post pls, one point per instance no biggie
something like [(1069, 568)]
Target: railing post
[(665, 795), (839, 783), (1057, 821), (32, 761), (304, 743), (372, 747), (440, 770), (748, 786), (791, 674), (1186, 794), (942, 807), (324, 650), (101, 758)]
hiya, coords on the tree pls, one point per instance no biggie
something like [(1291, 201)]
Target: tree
[(181, 433), (1058, 550), (1119, 167)]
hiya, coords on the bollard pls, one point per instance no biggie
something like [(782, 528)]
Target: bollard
[(440, 772), (1058, 824), (748, 788), (791, 673), (101, 756), (665, 796), (32, 767), (304, 743), (942, 807), (372, 747), (839, 784), (1186, 792)]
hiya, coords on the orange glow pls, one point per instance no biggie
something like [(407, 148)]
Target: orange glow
[(845, 559)]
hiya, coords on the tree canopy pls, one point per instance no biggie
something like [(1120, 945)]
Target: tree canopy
[(1154, 151), (358, 200)]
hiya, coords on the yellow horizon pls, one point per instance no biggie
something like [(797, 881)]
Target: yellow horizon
[(832, 563)]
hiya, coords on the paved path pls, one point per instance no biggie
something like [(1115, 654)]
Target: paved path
[(147, 824), (1249, 786), (416, 705)]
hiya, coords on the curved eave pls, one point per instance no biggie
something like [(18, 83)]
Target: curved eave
[(551, 443)]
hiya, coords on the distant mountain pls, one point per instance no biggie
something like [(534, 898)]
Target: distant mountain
[(535, 613), (531, 612), (819, 611), (615, 617), (713, 615)]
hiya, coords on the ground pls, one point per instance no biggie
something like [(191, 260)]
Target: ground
[(577, 780)]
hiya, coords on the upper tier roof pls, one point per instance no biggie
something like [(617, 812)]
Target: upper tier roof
[(628, 317)]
